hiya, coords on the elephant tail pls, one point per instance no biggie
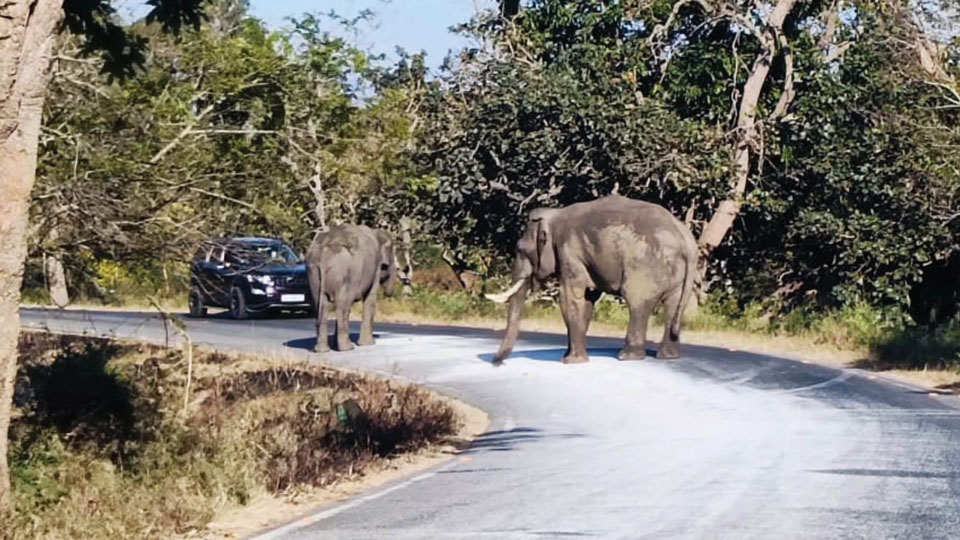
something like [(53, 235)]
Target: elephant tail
[(690, 276)]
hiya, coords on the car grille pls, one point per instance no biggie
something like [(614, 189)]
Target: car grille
[(294, 281)]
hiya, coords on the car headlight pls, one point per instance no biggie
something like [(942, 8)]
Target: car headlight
[(262, 280)]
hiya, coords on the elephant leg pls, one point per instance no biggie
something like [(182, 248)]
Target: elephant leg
[(577, 311), (369, 309), (323, 335), (668, 345), (640, 310), (343, 322), (318, 295)]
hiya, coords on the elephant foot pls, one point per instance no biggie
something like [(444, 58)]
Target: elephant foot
[(344, 347), (668, 352), (575, 359), (321, 350), (366, 341), (632, 353), (321, 347)]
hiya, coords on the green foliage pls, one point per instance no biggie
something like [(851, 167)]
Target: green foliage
[(227, 130), (914, 348), (852, 209), (234, 129), (526, 137), (853, 202), (122, 52)]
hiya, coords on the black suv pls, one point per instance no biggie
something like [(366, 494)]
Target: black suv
[(247, 275)]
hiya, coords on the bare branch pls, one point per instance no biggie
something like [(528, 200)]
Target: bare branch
[(836, 52), (786, 97), (183, 133), (830, 16)]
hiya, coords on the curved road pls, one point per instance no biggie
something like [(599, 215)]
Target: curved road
[(718, 444)]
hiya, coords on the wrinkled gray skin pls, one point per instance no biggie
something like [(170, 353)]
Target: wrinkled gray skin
[(614, 245), (346, 264)]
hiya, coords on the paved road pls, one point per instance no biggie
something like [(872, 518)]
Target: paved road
[(718, 444)]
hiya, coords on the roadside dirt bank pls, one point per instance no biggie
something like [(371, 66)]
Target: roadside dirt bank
[(267, 511)]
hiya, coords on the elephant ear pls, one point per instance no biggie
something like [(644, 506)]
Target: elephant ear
[(386, 246), (383, 237)]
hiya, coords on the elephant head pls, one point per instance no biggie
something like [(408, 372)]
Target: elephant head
[(388, 263), (535, 258)]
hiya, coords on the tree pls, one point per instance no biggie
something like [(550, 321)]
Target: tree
[(766, 26), (815, 152), (29, 30)]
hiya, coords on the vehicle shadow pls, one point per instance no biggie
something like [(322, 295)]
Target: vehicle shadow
[(556, 354), (308, 344)]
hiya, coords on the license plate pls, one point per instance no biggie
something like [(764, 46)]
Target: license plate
[(292, 298)]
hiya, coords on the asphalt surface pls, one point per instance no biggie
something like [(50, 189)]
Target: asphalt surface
[(718, 444)]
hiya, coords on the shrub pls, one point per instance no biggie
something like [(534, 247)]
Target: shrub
[(101, 447)]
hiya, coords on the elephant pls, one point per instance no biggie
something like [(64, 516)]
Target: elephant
[(347, 264), (615, 245)]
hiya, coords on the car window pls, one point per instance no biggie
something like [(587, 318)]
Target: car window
[(216, 254), (202, 254), (235, 255), (265, 253)]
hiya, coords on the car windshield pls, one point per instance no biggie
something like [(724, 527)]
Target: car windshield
[(266, 253)]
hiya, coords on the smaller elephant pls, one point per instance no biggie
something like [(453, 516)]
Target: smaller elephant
[(347, 264)]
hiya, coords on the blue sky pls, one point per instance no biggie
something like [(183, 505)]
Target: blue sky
[(414, 25)]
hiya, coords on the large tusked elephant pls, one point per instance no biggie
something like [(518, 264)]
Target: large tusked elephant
[(347, 264), (613, 245)]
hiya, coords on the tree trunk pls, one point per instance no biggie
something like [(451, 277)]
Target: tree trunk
[(28, 31), (54, 272), (56, 280), (406, 265), (320, 198), (746, 138)]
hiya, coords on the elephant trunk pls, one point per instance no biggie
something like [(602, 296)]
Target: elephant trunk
[(522, 276)]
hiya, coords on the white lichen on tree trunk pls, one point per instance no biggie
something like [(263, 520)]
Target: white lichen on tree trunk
[(28, 32), (54, 273)]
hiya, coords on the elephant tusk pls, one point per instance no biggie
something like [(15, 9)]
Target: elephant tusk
[(504, 297)]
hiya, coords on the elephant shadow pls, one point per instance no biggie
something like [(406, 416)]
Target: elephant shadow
[(308, 344), (556, 354)]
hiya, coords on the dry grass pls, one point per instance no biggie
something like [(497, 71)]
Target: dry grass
[(101, 447)]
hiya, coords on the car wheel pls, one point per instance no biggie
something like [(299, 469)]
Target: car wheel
[(238, 304), (197, 309)]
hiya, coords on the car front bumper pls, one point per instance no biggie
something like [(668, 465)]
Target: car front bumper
[(260, 299)]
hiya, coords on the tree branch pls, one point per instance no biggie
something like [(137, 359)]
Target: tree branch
[(183, 133), (786, 97)]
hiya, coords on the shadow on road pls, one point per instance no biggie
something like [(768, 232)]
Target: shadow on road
[(556, 354), (507, 440), (308, 344), (890, 473)]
